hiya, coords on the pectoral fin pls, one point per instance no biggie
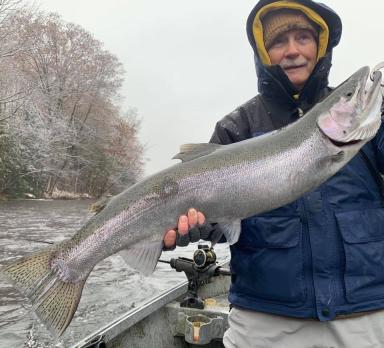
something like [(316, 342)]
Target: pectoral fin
[(231, 230)]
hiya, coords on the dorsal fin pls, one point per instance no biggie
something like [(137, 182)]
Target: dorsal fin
[(189, 152)]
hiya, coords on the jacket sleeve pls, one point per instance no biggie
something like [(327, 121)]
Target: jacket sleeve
[(232, 128)]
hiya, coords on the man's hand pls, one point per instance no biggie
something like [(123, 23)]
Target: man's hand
[(187, 230)]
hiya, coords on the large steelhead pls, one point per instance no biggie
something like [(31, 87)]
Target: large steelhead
[(226, 182)]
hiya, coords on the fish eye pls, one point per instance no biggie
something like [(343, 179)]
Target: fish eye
[(349, 94)]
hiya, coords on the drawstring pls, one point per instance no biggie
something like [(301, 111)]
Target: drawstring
[(300, 112)]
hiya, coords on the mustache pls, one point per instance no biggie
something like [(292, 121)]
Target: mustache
[(292, 63)]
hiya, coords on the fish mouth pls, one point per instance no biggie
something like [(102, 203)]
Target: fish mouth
[(344, 144), (375, 89), (369, 119), (354, 116)]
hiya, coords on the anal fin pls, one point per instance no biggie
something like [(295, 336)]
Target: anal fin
[(143, 256)]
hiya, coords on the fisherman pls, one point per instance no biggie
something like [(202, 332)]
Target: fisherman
[(311, 273)]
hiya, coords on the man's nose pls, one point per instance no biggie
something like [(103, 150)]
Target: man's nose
[(292, 49)]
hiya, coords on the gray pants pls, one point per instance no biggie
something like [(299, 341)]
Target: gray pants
[(249, 329)]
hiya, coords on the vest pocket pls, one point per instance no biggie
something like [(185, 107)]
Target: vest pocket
[(267, 260), (363, 238)]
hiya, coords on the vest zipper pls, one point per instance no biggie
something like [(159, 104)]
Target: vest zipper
[(307, 254)]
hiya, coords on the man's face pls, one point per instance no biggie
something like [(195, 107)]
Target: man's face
[(296, 52)]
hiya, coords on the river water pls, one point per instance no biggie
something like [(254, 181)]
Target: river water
[(111, 290)]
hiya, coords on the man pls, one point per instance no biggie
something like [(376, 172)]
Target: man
[(311, 273)]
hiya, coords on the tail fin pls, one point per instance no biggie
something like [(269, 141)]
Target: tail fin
[(54, 301)]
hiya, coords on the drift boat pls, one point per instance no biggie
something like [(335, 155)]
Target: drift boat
[(194, 313)]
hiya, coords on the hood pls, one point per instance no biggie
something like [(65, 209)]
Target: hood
[(272, 81)]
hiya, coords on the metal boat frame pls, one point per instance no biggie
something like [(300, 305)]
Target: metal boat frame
[(163, 322)]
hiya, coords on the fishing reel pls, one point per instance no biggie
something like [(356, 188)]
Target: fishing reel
[(204, 256), (198, 270)]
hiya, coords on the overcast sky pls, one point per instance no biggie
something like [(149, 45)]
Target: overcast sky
[(188, 63)]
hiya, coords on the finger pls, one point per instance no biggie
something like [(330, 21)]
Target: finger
[(192, 217), (182, 226), (170, 239), (200, 218)]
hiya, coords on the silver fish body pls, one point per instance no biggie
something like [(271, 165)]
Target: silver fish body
[(226, 182)]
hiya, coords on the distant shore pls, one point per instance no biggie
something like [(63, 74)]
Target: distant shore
[(56, 195)]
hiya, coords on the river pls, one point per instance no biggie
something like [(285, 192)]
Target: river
[(111, 290)]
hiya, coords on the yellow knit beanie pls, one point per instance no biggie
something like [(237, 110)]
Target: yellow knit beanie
[(280, 21)]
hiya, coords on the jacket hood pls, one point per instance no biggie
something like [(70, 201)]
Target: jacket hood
[(272, 81)]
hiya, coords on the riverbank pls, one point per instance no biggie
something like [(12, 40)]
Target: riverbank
[(56, 195)]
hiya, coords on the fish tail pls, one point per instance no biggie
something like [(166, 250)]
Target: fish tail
[(53, 300)]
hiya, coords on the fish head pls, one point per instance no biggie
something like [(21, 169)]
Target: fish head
[(351, 115)]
